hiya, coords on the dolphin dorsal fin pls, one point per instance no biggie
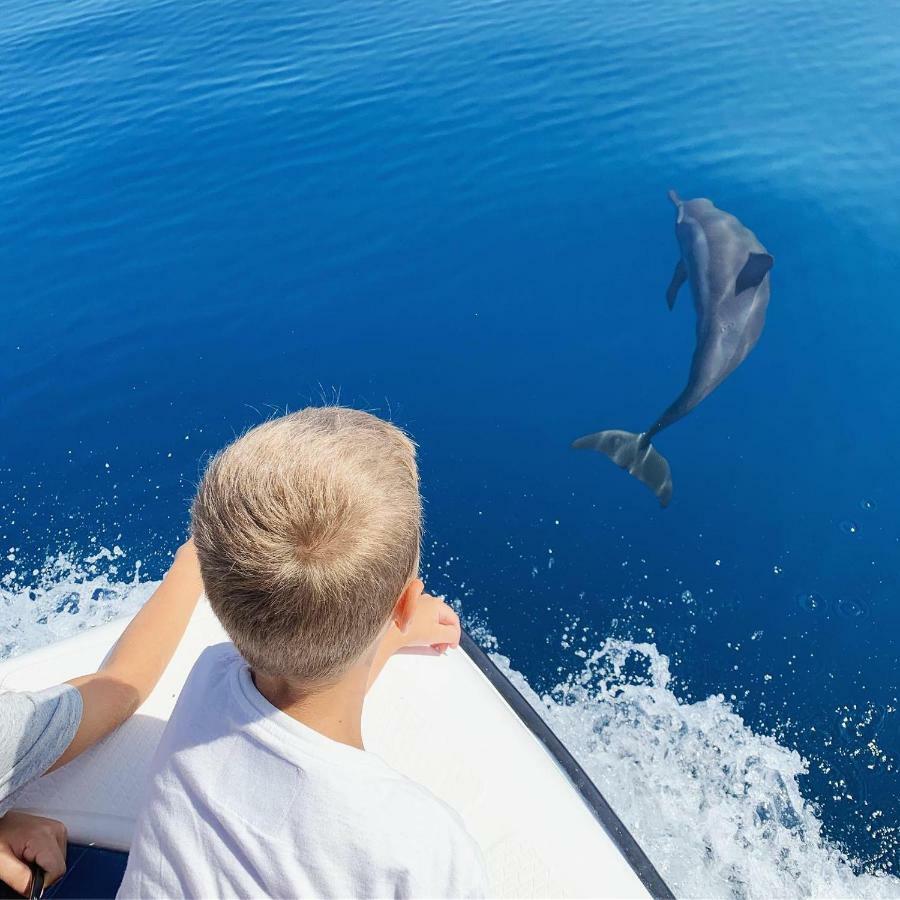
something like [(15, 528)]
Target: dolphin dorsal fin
[(755, 269)]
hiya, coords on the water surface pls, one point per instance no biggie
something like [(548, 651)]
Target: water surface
[(455, 215)]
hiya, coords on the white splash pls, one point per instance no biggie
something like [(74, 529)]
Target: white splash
[(716, 807), (67, 594)]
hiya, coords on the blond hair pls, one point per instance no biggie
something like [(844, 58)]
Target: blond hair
[(308, 529)]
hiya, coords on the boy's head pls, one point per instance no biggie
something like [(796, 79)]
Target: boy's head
[(308, 530)]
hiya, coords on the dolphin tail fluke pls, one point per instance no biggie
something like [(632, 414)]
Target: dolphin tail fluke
[(637, 456)]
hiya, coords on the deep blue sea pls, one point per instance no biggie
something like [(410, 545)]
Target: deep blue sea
[(454, 214)]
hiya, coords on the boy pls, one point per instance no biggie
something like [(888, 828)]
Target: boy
[(308, 531)]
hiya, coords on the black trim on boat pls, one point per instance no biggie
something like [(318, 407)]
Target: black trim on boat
[(590, 793)]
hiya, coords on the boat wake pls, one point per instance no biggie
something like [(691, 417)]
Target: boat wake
[(64, 595), (717, 807)]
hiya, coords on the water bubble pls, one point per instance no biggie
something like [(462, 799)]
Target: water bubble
[(778, 806), (848, 526), (849, 783), (843, 731), (853, 607), (874, 718), (868, 505), (859, 728), (68, 604), (763, 812), (810, 601)]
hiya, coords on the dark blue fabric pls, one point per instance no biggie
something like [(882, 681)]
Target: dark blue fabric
[(92, 873)]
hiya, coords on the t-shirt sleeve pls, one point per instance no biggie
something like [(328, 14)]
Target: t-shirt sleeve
[(35, 730)]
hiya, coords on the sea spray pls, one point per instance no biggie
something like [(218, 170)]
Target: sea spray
[(717, 807), (67, 593)]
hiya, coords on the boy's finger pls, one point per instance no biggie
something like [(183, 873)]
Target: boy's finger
[(451, 634), (47, 848), (62, 838), (455, 628), (51, 859), (448, 616), (13, 871)]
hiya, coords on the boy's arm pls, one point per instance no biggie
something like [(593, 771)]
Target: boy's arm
[(432, 627), (140, 656)]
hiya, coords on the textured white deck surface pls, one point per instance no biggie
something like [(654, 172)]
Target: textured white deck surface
[(438, 720)]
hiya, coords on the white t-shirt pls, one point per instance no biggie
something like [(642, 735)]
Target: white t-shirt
[(244, 801)]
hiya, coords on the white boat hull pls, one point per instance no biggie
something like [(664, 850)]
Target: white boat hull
[(438, 720)]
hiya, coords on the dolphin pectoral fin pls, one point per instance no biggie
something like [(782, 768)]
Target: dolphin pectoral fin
[(679, 276), (755, 269), (639, 458)]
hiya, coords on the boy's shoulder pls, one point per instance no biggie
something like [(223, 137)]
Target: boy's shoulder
[(210, 671), (223, 654), (207, 679)]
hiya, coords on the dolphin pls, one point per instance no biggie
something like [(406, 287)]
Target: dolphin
[(728, 270)]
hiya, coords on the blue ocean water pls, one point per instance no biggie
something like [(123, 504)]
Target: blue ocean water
[(455, 215)]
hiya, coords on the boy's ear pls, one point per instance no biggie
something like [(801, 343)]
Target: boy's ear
[(405, 607)]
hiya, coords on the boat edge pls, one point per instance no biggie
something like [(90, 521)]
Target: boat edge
[(581, 781)]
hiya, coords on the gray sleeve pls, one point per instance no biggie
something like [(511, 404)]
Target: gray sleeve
[(35, 730)]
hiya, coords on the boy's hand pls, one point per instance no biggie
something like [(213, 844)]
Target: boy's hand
[(421, 624), (184, 573), (186, 559), (30, 839), (433, 624)]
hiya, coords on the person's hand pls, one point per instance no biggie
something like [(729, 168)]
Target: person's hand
[(421, 624), (185, 570), (186, 558), (28, 839), (433, 624)]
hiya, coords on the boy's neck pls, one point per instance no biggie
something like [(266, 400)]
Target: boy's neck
[(334, 711)]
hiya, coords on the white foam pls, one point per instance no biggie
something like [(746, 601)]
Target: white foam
[(717, 808), (66, 594)]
